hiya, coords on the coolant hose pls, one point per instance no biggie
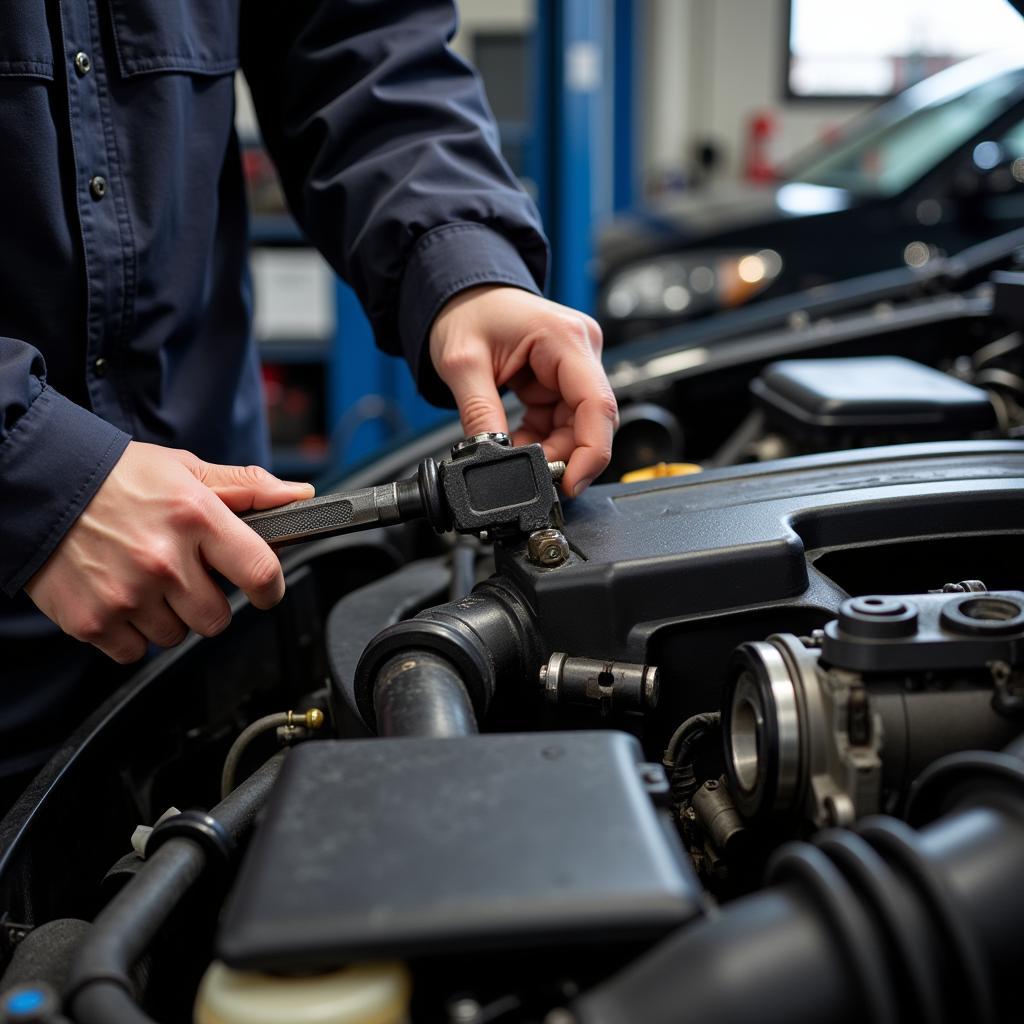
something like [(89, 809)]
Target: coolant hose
[(418, 693), (99, 989), (882, 922), (476, 646)]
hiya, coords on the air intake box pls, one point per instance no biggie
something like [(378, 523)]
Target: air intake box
[(869, 400), (404, 847)]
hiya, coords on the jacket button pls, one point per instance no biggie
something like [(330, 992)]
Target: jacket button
[(100, 367), (83, 65), (98, 187)]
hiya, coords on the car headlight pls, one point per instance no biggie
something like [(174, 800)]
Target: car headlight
[(668, 287)]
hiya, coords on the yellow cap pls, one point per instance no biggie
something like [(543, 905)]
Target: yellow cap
[(662, 469), (371, 993)]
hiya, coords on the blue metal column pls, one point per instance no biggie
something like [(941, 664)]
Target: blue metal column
[(570, 65), (356, 376), (627, 95)]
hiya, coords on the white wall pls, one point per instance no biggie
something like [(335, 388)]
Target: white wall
[(493, 16), (711, 65), (668, 75)]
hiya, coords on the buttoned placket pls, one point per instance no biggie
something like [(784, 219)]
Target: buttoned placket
[(102, 211)]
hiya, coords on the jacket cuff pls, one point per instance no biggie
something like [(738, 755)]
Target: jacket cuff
[(51, 463), (448, 260)]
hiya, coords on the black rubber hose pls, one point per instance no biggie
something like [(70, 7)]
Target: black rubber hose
[(491, 638), (739, 967), (128, 924), (109, 1002), (1015, 748), (783, 956), (418, 693), (45, 954)]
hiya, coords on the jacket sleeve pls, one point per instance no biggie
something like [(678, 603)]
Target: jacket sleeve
[(388, 156), (53, 457)]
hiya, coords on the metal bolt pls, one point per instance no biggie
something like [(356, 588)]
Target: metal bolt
[(557, 470), (548, 548), (467, 444)]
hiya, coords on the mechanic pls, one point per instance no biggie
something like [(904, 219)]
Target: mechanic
[(131, 416)]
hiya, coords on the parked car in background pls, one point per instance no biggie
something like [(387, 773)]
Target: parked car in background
[(936, 169)]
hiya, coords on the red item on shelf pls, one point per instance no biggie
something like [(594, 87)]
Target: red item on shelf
[(757, 166)]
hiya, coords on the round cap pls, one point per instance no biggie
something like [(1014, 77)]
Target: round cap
[(372, 993)]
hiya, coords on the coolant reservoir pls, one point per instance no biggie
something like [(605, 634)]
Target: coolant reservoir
[(373, 993)]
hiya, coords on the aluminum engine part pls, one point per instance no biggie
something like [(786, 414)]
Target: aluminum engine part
[(800, 737)]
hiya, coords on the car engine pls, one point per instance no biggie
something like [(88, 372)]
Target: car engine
[(740, 740)]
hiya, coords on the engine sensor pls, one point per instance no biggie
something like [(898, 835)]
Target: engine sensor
[(833, 734)]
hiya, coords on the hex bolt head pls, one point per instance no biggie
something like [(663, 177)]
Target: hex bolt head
[(548, 548), (469, 444)]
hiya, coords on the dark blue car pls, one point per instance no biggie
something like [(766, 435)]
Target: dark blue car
[(936, 169)]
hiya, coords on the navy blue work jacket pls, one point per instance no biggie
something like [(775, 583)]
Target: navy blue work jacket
[(124, 296)]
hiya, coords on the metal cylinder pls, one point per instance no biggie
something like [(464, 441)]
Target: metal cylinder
[(765, 751), (831, 745), (608, 685)]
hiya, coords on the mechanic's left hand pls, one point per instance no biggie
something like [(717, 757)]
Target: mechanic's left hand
[(549, 355)]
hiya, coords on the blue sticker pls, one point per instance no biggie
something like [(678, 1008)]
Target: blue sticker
[(27, 1001)]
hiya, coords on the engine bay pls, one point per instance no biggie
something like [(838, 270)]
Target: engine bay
[(742, 740)]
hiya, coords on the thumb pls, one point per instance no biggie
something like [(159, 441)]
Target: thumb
[(243, 488), (471, 379)]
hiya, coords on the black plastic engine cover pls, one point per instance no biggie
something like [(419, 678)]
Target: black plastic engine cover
[(420, 846), (648, 556), (888, 398)]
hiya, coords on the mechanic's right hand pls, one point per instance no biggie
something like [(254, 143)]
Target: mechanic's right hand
[(134, 568)]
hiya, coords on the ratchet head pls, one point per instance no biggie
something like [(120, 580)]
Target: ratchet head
[(491, 487)]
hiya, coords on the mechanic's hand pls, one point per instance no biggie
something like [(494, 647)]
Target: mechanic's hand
[(133, 568), (549, 355)]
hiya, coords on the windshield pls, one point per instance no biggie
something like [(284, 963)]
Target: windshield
[(897, 144)]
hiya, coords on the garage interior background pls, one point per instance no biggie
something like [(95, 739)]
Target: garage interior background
[(604, 106)]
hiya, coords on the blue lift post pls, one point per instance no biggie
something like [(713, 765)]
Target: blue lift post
[(627, 141), (569, 81), (586, 147)]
